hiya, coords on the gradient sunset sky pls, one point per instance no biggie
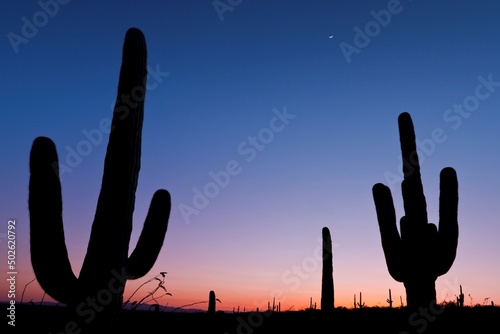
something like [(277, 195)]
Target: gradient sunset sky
[(298, 99)]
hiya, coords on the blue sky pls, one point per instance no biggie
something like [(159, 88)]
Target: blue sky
[(217, 83)]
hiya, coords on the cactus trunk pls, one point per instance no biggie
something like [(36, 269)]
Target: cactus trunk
[(211, 302), (327, 292), (106, 266)]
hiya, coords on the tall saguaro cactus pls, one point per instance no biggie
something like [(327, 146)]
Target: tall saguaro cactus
[(96, 295), (422, 252), (327, 292)]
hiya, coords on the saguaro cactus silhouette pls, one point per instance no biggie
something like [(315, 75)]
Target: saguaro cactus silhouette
[(327, 292), (389, 300), (107, 264), (211, 302), (422, 252), (360, 304), (460, 298)]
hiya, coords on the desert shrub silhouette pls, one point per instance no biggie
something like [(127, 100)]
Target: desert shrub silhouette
[(422, 252), (106, 266)]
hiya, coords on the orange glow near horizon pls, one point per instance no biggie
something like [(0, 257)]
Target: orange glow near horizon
[(35, 294), (231, 296), (253, 282), (247, 300)]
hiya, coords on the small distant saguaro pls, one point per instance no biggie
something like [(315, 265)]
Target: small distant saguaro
[(327, 292), (211, 302)]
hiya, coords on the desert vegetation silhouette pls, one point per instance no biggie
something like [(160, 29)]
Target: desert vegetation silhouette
[(96, 296), (420, 252)]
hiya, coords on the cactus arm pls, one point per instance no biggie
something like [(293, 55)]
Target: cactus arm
[(391, 241), (413, 193), (47, 244), (152, 236), (448, 220), (112, 226)]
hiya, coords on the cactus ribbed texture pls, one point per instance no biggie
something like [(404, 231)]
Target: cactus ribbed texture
[(421, 252), (327, 292), (106, 266)]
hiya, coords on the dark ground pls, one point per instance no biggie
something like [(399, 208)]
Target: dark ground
[(36, 319)]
